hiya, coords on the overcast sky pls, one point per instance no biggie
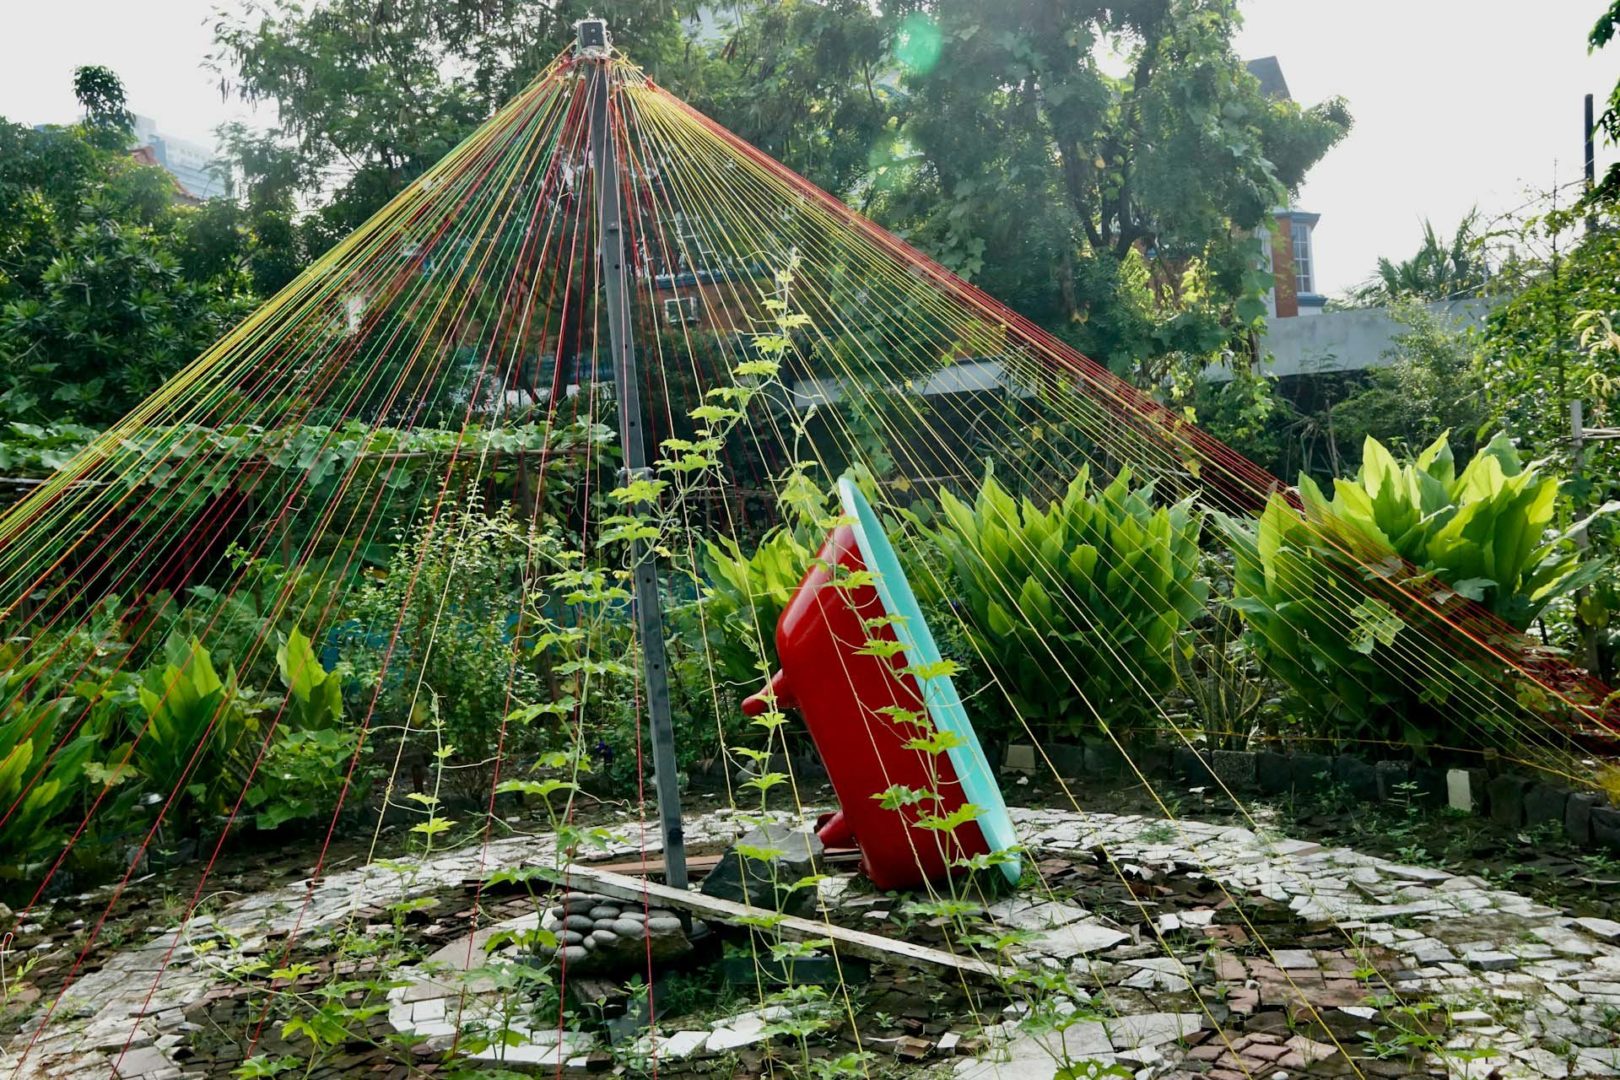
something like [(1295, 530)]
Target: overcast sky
[(1457, 102)]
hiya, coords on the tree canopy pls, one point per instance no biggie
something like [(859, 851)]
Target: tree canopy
[(1603, 32), (107, 284), (367, 96), (1102, 167), (1441, 269), (1105, 166)]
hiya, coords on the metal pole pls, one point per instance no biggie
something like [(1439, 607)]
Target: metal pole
[(1577, 463), (1590, 127), (1577, 423), (1590, 149), (649, 616)]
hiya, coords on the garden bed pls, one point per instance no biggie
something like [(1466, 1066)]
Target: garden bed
[(1510, 798), (1174, 947)]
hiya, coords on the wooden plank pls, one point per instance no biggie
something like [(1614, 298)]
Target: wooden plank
[(792, 927), (698, 865)]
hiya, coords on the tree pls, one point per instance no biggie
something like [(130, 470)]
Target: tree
[(1440, 270), (368, 95), (107, 286), (811, 84), (1122, 209), (1603, 32), (1551, 344), (101, 93)]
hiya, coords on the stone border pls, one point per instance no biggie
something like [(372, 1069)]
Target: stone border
[(1514, 800)]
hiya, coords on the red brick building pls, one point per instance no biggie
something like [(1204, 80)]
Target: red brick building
[(1289, 244)]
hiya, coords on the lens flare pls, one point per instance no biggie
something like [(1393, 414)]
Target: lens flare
[(917, 46)]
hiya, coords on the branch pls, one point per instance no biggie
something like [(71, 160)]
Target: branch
[(1131, 230), (1074, 181)]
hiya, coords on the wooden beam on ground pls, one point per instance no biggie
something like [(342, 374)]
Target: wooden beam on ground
[(791, 927), (698, 865)]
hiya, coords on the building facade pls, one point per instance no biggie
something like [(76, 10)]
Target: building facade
[(191, 164), (1288, 244)]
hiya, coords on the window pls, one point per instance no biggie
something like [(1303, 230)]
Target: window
[(681, 310), (690, 247), (1303, 278)]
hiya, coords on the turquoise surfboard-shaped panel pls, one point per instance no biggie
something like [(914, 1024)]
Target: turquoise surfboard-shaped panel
[(979, 785)]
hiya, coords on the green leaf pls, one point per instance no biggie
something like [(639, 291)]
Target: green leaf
[(432, 827), (896, 796), (949, 823)]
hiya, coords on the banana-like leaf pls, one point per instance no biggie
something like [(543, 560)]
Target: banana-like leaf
[(1303, 583)]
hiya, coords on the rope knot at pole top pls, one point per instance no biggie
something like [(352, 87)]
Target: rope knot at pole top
[(592, 41)]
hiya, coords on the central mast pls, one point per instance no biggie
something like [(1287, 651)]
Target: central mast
[(594, 51)]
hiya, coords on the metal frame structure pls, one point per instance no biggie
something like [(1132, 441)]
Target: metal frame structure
[(595, 48)]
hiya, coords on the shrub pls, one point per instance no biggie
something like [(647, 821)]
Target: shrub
[(1362, 669), (444, 622), (1434, 381), (1076, 608), (309, 758)]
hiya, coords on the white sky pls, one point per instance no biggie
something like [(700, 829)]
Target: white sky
[(1457, 102)]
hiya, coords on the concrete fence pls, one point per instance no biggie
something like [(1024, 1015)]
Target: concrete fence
[(1345, 340)]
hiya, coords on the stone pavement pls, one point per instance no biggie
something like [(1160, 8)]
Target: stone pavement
[(136, 1000), (1510, 988), (1516, 989)]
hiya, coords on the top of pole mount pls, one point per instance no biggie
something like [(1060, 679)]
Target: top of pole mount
[(592, 42)]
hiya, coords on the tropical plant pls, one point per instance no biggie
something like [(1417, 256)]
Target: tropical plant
[(314, 695), (1482, 531), (39, 780), (1441, 269), (1330, 596), (310, 760), (1077, 608), (746, 594), (188, 723)]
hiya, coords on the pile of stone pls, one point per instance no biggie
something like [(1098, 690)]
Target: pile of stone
[(597, 934)]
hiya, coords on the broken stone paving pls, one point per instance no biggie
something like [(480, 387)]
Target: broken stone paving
[(1368, 968)]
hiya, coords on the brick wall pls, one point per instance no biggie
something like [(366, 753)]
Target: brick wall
[(1282, 267)]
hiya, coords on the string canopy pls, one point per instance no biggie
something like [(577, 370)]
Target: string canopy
[(387, 521)]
